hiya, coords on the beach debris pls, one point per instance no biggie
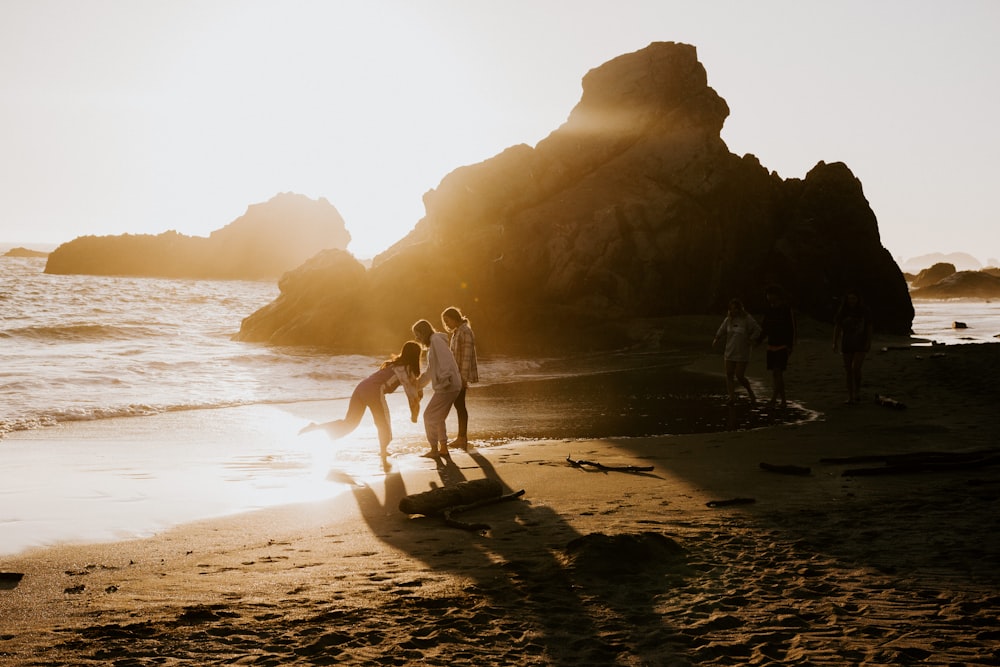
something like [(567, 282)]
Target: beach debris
[(625, 554), (75, 590), (603, 468), (887, 402), (785, 469), (916, 462), (730, 502), (446, 501), (959, 325)]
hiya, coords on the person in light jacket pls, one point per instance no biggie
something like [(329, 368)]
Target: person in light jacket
[(740, 330), (463, 347), (445, 379)]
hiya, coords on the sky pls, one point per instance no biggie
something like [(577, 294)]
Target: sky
[(142, 116)]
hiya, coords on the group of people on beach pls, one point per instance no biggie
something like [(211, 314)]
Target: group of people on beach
[(451, 367), (852, 337)]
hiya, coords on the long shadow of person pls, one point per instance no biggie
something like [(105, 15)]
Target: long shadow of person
[(520, 579)]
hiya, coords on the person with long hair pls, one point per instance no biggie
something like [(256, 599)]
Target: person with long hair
[(852, 336), (399, 370), (740, 330), (444, 377), (463, 347)]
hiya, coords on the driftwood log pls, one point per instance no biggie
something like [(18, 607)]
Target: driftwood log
[(785, 469), (730, 502), (915, 462), (449, 500), (600, 466)]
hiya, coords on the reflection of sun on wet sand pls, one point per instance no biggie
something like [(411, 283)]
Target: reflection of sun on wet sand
[(591, 566)]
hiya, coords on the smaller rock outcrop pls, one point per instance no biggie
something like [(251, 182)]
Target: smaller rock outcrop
[(962, 285), (962, 261), (323, 302), (269, 239), (934, 274), (25, 252)]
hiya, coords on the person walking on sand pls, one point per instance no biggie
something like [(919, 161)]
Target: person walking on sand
[(852, 335), (778, 328), (463, 348), (740, 329), (445, 379), (403, 370)]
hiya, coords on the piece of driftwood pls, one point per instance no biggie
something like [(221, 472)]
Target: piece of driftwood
[(464, 525), (785, 469), (600, 466), (730, 501), (887, 402), (916, 462), (447, 501), (436, 501)]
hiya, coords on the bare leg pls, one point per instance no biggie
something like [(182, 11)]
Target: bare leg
[(857, 359), (779, 388), (741, 369), (338, 428), (730, 383)]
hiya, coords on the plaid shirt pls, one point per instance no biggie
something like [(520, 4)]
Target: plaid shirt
[(463, 346)]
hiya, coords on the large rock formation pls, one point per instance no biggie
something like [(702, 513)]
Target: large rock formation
[(634, 209), (266, 241)]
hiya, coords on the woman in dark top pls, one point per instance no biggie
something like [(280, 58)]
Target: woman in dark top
[(778, 327), (401, 370), (852, 336)]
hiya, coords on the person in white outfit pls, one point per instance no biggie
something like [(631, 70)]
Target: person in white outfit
[(740, 330), (445, 379)]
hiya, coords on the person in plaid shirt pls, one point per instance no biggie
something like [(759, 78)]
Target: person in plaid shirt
[(463, 347)]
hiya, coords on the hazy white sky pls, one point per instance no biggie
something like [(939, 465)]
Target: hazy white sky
[(141, 116)]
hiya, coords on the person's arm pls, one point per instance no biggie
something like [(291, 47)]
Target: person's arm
[(413, 393), (795, 329), (756, 332), (722, 330)]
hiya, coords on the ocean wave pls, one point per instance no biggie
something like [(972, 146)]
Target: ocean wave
[(56, 417), (82, 332)]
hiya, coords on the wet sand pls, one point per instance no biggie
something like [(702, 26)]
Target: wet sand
[(707, 559)]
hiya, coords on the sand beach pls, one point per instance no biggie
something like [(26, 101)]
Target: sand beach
[(843, 549)]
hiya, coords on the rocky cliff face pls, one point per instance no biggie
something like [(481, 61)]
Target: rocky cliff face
[(633, 209), (269, 239)]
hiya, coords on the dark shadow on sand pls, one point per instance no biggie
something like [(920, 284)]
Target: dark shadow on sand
[(520, 571)]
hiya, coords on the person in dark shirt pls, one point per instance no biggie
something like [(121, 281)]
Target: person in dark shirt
[(778, 328), (852, 335)]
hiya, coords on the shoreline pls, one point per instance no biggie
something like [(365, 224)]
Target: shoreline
[(820, 568)]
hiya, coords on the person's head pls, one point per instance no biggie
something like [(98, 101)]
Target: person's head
[(774, 295), (423, 330), (452, 318), (408, 357), (736, 307), (852, 299)]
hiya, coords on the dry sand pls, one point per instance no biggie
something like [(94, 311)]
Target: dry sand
[(589, 567)]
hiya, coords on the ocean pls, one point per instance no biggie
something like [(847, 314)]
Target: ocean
[(81, 348)]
